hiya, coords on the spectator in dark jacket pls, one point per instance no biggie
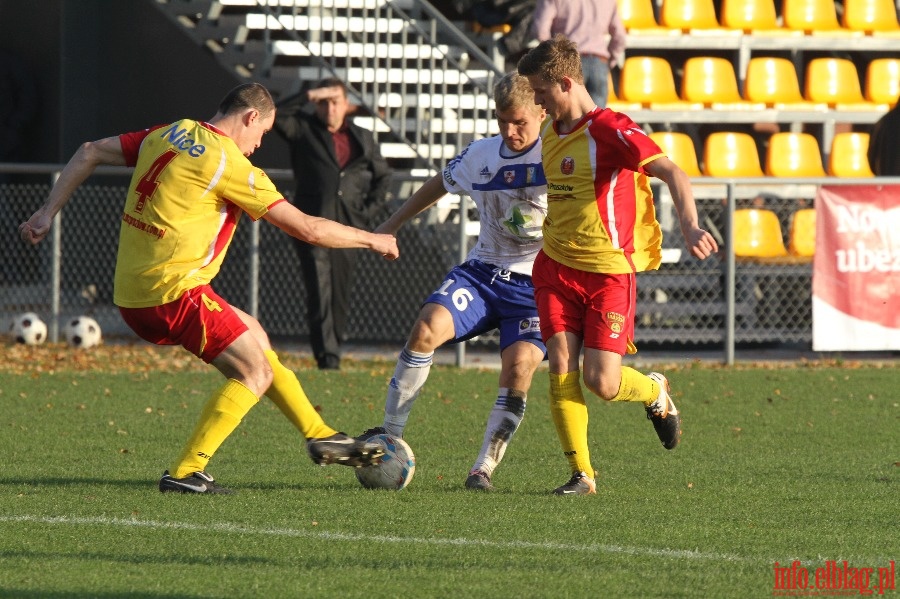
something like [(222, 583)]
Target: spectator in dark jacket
[(884, 145), (341, 175)]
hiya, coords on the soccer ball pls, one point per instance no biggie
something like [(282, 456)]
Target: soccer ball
[(396, 468), (28, 328), (82, 332)]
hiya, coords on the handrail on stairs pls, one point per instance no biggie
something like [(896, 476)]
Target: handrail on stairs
[(441, 74)]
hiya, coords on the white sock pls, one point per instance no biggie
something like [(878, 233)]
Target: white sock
[(506, 415), (409, 377)]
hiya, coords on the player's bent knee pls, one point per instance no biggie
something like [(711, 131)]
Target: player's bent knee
[(601, 388)]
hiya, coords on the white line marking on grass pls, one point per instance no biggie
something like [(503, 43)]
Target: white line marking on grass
[(343, 536)]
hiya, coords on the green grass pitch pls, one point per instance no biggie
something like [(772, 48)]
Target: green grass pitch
[(794, 465)]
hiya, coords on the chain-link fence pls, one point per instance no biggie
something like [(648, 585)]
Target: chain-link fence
[(685, 303)]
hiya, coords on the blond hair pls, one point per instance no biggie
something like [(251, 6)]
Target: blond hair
[(513, 91), (553, 60)]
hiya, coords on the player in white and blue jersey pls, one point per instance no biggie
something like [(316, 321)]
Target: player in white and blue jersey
[(492, 289)]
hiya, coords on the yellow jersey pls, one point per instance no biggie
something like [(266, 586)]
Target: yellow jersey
[(190, 185), (600, 213)]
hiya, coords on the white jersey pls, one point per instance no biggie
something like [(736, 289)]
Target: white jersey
[(511, 197)]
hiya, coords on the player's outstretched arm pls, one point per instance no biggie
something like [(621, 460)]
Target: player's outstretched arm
[(328, 233), (424, 197), (89, 156), (700, 242)]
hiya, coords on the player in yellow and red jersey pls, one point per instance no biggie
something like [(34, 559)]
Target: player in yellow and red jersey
[(600, 230), (192, 181)]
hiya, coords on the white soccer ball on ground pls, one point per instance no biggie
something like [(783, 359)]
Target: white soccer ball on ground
[(28, 328), (82, 332), (396, 468)]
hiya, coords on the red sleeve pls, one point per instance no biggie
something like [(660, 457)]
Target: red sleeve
[(131, 144)]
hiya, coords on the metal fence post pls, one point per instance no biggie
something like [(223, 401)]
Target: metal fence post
[(463, 243), (55, 269), (729, 276), (254, 270)]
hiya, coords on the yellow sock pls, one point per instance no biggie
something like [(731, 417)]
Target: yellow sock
[(220, 416), (636, 387), (570, 415), (290, 398)]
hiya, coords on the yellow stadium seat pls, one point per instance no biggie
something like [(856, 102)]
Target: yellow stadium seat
[(883, 81), (849, 155), (757, 234), (870, 16), (679, 147), (731, 154), (637, 16), (750, 15), (772, 81), (686, 15), (810, 16), (648, 80), (709, 80), (794, 155), (613, 102), (833, 81), (802, 235)]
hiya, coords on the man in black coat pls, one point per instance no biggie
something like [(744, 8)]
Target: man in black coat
[(884, 147), (340, 175)]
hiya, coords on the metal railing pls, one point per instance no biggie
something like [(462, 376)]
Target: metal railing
[(687, 302), (424, 84)]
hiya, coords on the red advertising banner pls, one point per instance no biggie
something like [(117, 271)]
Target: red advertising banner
[(856, 272)]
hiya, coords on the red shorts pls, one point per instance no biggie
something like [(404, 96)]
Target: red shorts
[(200, 321), (597, 307)]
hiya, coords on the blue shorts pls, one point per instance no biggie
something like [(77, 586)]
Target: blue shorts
[(482, 298)]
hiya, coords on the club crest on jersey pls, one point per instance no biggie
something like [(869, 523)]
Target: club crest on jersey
[(615, 321), (567, 166), (509, 177)]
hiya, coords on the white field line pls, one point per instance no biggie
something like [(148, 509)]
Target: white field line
[(342, 536)]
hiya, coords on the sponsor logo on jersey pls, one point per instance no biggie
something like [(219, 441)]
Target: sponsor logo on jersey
[(448, 177), (181, 139), (529, 175), (485, 172), (529, 325)]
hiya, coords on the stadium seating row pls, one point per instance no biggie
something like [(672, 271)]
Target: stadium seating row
[(733, 154), (758, 236), (771, 82), (798, 17)]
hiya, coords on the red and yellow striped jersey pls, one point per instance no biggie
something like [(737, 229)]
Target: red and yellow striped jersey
[(190, 185), (600, 214)]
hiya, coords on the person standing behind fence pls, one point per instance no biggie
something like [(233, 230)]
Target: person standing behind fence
[(586, 23), (492, 289), (341, 175), (884, 144), (192, 181), (600, 230)]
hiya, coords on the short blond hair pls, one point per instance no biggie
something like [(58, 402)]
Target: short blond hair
[(513, 91), (553, 60)]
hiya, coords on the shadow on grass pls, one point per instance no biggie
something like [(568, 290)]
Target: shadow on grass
[(9, 592), (151, 484), (37, 481)]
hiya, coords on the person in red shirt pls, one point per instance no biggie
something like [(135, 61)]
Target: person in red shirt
[(341, 175)]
